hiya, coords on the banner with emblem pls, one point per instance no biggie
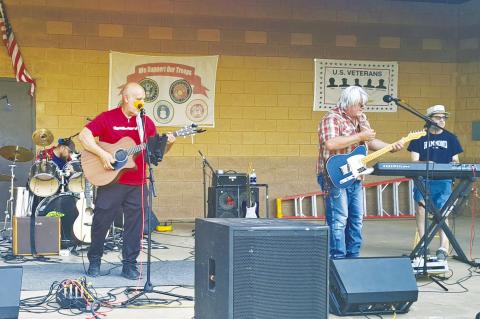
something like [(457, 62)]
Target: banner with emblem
[(377, 78), (178, 90)]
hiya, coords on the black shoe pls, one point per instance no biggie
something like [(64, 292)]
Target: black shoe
[(130, 271), (94, 269)]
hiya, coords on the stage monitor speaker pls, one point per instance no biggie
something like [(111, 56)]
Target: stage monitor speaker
[(10, 291), (229, 201), (368, 286), (260, 268), (47, 236)]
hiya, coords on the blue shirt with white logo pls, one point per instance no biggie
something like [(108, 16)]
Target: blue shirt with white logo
[(443, 147)]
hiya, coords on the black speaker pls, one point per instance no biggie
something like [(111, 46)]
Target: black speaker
[(10, 291), (260, 268), (366, 286), (229, 201)]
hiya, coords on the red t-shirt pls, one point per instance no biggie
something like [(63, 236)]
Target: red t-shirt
[(111, 126)]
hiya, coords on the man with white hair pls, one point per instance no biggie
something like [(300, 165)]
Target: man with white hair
[(444, 147), (340, 131)]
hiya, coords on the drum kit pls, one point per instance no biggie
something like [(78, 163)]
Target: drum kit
[(59, 188)]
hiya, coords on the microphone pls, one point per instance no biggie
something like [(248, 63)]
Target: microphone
[(5, 97), (138, 104), (389, 98)]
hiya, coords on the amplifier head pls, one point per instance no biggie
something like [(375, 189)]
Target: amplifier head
[(230, 179)]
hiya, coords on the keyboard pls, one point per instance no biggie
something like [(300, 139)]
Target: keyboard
[(436, 170)]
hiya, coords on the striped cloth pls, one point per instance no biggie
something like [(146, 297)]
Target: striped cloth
[(13, 50), (337, 123)]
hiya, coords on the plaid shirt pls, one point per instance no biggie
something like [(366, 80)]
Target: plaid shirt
[(337, 123)]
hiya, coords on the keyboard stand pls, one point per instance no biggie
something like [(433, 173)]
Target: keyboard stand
[(459, 195)]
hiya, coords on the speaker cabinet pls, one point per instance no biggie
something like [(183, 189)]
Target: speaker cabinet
[(260, 268), (366, 286), (47, 236), (10, 291), (229, 201)]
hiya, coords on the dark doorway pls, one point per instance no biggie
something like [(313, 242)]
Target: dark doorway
[(17, 123)]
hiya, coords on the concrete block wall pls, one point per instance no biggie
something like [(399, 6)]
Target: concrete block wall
[(265, 75)]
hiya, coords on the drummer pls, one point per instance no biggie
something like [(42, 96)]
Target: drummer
[(59, 154)]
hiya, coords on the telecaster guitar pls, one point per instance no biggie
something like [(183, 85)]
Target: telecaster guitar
[(344, 169), (122, 151)]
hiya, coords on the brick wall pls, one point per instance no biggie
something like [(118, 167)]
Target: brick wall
[(264, 81)]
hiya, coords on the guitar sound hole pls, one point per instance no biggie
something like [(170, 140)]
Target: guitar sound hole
[(121, 155)]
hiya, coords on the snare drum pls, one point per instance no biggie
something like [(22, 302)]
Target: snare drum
[(44, 178), (76, 179)]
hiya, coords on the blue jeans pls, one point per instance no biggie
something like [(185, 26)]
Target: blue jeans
[(344, 215), (440, 191)]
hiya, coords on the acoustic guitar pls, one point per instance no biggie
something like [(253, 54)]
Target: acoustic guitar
[(82, 227), (122, 151)]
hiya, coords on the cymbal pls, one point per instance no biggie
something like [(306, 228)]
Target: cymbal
[(42, 137), (15, 153)]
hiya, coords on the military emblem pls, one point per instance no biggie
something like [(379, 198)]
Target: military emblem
[(151, 89), (180, 91), (197, 110), (163, 112)]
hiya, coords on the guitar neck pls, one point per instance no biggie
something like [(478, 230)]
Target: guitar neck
[(88, 193), (138, 148), (376, 154), (411, 136), (135, 149)]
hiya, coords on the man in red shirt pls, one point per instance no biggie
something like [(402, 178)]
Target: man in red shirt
[(128, 194)]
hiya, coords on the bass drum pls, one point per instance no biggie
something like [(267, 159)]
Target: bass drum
[(63, 203)]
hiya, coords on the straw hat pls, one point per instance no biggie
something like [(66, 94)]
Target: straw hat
[(437, 109)]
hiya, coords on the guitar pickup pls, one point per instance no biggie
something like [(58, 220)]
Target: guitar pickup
[(345, 169), (362, 169)]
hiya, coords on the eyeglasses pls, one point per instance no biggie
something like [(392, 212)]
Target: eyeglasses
[(439, 117)]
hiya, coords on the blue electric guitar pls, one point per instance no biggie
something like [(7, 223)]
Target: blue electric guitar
[(344, 169)]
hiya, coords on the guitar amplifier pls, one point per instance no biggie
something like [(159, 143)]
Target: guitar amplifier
[(47, 236), (229, 179)]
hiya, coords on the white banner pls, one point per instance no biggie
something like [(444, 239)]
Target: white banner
[(179, 90), (375, 77)]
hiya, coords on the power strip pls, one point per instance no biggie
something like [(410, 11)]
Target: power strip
[(71, 296)]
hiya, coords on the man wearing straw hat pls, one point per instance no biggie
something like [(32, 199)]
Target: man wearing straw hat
[(444, 147)]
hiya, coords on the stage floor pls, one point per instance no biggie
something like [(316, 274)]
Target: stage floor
[(173, 271)]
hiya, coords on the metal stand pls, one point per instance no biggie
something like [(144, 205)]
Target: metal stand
[(9, 207), (205, 163), (457, 198), (149, 288)]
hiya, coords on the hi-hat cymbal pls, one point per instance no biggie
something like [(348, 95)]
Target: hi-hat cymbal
[(15, 153), (42, 137)]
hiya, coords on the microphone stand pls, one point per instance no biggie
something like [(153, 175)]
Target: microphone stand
[(149, 288), (205, 163), (423, 241)]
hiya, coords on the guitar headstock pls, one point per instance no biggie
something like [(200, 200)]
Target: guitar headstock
[(191, 129), (414, 135)]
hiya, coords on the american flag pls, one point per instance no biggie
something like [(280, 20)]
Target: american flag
[(13, 50)]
